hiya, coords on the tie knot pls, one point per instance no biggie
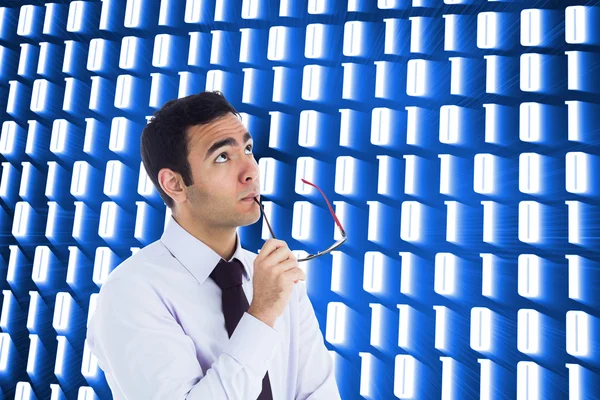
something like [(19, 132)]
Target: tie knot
[(228, 274)]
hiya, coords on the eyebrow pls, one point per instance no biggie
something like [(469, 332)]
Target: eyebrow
[(229, 141)]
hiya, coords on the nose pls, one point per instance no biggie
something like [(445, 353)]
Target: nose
[(249, 171)]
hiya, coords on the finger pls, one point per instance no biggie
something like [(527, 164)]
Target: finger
[(284, 266), (293, 275), (280, 255), (270, 246)]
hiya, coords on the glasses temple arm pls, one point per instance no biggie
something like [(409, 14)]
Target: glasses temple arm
[(328, 205)]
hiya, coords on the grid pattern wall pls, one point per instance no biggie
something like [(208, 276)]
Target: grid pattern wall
[(459, 141)]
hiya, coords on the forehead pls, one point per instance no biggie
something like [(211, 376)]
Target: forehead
[(201, 137)]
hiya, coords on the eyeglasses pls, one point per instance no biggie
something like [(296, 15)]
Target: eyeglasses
[(337, 222)]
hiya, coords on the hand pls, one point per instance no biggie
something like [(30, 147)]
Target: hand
[(276, 272)]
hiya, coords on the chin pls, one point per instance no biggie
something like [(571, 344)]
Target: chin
[(249, 219)]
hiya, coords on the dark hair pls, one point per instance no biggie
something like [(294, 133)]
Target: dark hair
[(164, 141)]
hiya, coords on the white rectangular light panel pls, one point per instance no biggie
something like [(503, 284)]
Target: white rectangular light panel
[(39, 95), (373, 272), (529, 173), (485, 173), (315, 40), (123, 91), (441, 318), (353, 39), (404, 371), (312, 82), (450, 124), (530, 115), (366, 367), (162, 50), (448, 378), (416, 78), (577, 172), (529, 275), (133, 11), (7, 139), (81, 170), (383, 175), (406, 286), (449, 32), (301, 222), (113, 177), (58, 139), (451, 220), (278, 39), (492, 84), (317, 6), (21, 219), (25, 185), (127, 57), (531, 27), (307, 133), (108, 220), (34, 341), (578, 333), (529, 221), (75, 17), (489, 221), (345, 168), (25, 24), (576, 24), (118, 132), (193, 11), (531, 72), (373, 228), (215, 80), (23, 391), (381, 127), (145, 185), (62, 312), (266, 166), (305, 169), (89, 363), (487, 30), (376, 316), (445, 274), (481, 329), (335, 330), (51, 220), (41, 261), (575, 276), (528, 331), (102, 265), (410, 222)]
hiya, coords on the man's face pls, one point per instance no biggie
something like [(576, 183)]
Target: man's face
[(225, 174)]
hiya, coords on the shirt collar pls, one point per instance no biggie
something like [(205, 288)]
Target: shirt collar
[(194, 255)]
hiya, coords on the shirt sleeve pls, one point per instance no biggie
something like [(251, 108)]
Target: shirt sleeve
[(316, 376), (139, 343)]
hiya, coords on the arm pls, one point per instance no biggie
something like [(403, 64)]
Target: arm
[(148, 355), (316, 378)]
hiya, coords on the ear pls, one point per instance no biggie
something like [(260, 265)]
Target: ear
[(172, 184)]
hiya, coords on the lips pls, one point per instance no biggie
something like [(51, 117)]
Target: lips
[(250, 197)]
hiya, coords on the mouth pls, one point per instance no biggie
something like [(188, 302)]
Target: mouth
[(251, 199)]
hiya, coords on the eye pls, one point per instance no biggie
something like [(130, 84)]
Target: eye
[(221, 158), (249, 149)]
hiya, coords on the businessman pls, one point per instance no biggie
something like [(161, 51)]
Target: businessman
[(194, 315)]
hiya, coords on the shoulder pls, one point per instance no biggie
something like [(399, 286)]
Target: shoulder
[(139, 273)]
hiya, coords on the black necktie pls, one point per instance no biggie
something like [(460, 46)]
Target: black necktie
[(228, 276)]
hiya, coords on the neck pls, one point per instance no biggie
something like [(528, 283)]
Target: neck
[(221, 240)]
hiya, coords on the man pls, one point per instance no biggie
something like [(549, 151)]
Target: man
[(194, 315)]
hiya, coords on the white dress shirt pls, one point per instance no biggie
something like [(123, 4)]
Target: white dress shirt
[(158, 331)]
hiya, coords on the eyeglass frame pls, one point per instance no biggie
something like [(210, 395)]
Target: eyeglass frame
[(337, 222)]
